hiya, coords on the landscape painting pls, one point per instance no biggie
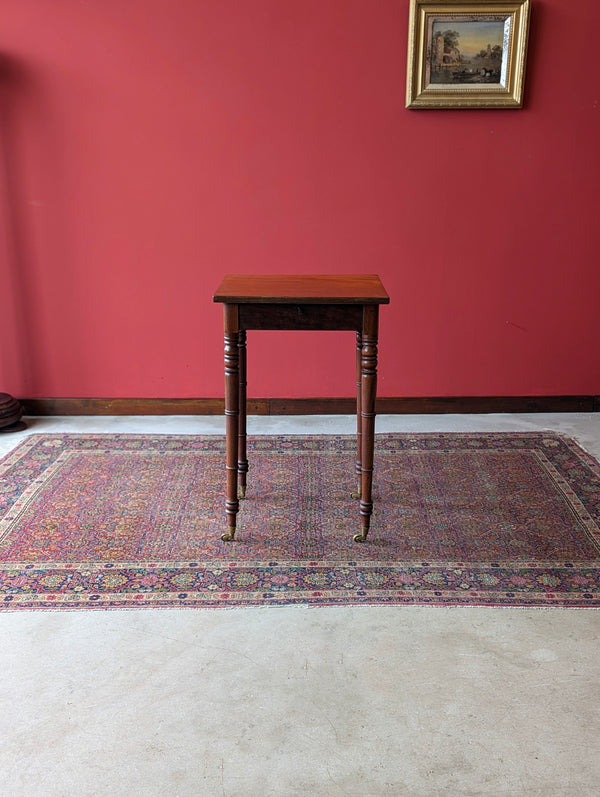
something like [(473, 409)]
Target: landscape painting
[(466, 51)]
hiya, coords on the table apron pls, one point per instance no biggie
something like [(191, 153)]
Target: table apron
[(301, 316)]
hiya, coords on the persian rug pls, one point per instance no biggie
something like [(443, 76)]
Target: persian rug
[(116, 521)]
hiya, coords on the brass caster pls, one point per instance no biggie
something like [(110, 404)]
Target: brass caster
[(241, 491), (229, 535), (360, 537), (355, 495)]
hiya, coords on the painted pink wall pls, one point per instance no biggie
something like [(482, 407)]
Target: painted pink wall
[(149, 146)]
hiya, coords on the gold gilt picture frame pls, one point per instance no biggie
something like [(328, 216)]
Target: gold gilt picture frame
[(467, 54)]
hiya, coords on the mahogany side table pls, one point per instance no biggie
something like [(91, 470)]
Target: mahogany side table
[(338, 302)]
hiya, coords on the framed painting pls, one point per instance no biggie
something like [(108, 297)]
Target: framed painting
[(467, 54)]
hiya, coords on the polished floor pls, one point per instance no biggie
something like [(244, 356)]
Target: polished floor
[(302, 702)]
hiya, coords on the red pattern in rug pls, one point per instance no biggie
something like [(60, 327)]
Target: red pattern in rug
[(459, 519)]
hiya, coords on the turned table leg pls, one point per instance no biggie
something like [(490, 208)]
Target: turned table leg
[(232, 414), (242, 463), (358, 415), (368, 391)]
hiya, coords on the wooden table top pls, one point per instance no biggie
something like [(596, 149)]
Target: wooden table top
[(301, 288)]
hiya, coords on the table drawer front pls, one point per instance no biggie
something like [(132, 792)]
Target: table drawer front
[(300, 316)]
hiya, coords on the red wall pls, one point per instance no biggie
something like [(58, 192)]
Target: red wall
[(149, 146)]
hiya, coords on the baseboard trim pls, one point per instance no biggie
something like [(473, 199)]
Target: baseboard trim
[(442, 405)]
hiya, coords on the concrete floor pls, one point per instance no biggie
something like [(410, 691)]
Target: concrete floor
[(292, 701)]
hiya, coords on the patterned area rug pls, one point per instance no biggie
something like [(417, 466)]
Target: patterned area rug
[(116, 521)]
